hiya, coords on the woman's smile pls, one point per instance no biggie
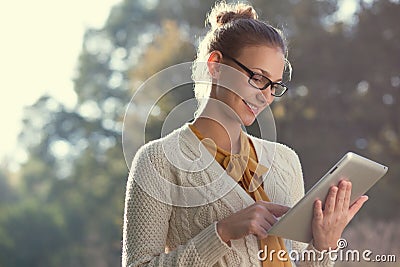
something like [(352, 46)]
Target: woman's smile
[(252, 108)]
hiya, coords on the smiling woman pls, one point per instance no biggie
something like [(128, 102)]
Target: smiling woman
[(242, 183), (252, 87)]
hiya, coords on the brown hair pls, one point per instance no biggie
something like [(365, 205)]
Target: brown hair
[(233, 27)]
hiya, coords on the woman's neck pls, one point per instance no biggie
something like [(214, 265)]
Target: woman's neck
[(223, 131)]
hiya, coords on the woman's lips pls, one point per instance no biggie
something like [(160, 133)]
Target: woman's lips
[(253, 109)]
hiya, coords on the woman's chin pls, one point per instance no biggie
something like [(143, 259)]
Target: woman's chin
[(248, 120)]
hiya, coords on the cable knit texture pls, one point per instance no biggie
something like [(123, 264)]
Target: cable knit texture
[(176, 192)]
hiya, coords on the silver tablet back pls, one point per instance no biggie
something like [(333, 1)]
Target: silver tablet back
[(362, 172)]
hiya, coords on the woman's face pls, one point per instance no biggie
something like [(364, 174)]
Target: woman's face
[(245, 100)]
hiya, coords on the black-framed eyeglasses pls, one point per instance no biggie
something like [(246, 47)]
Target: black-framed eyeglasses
[(262, 82)]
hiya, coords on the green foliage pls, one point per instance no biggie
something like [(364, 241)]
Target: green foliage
[(65, 206), (30, 233)]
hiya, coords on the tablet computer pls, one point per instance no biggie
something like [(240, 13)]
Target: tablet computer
[(363, 174)]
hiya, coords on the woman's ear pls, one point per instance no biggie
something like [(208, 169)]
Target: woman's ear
[(213, 64)]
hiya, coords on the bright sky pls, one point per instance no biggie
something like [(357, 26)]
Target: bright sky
[(41, 41)]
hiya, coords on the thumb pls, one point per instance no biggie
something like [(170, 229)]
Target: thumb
[(357, 206)]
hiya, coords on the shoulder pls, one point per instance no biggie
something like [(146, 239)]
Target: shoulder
[(279, 156), (151, 168), (154, 150), (148, 152), (165, 150), (281, 150), (287, 152)]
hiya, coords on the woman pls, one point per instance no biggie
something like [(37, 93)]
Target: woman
[(216, 223)]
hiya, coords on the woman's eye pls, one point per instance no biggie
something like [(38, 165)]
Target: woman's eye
[(257, 78)]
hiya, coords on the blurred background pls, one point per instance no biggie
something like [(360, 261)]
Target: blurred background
[(63, 174)]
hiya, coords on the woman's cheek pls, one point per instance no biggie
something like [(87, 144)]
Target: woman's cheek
[(237, 82)]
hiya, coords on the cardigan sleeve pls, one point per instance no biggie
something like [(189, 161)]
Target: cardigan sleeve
[(146, 225), (297, 194)]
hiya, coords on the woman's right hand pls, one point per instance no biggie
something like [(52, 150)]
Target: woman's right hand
[(255, 219)]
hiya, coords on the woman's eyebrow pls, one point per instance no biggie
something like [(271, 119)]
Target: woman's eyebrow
[(266, 73)]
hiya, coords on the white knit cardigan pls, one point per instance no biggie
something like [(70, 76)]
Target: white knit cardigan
[(176, 226)]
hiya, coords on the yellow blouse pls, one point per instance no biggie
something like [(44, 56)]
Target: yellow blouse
[(244, 168)]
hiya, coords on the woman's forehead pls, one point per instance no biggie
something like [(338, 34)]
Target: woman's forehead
[(269, 60)]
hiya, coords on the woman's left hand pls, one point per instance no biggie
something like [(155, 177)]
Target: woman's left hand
[(328, 224)]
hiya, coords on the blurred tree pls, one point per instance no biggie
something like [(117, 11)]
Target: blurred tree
[(7, 191), (68, 206), (31, 235), (346, 86)]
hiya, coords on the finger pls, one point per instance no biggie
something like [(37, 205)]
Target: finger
[(270, 218), (260, 228), (347, 197), (329, 205), (318, 214), (262, 232), (265, 225), (340, 196), (276, 209), (357, 206)]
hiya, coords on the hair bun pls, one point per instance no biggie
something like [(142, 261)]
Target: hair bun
[(223, 13)]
